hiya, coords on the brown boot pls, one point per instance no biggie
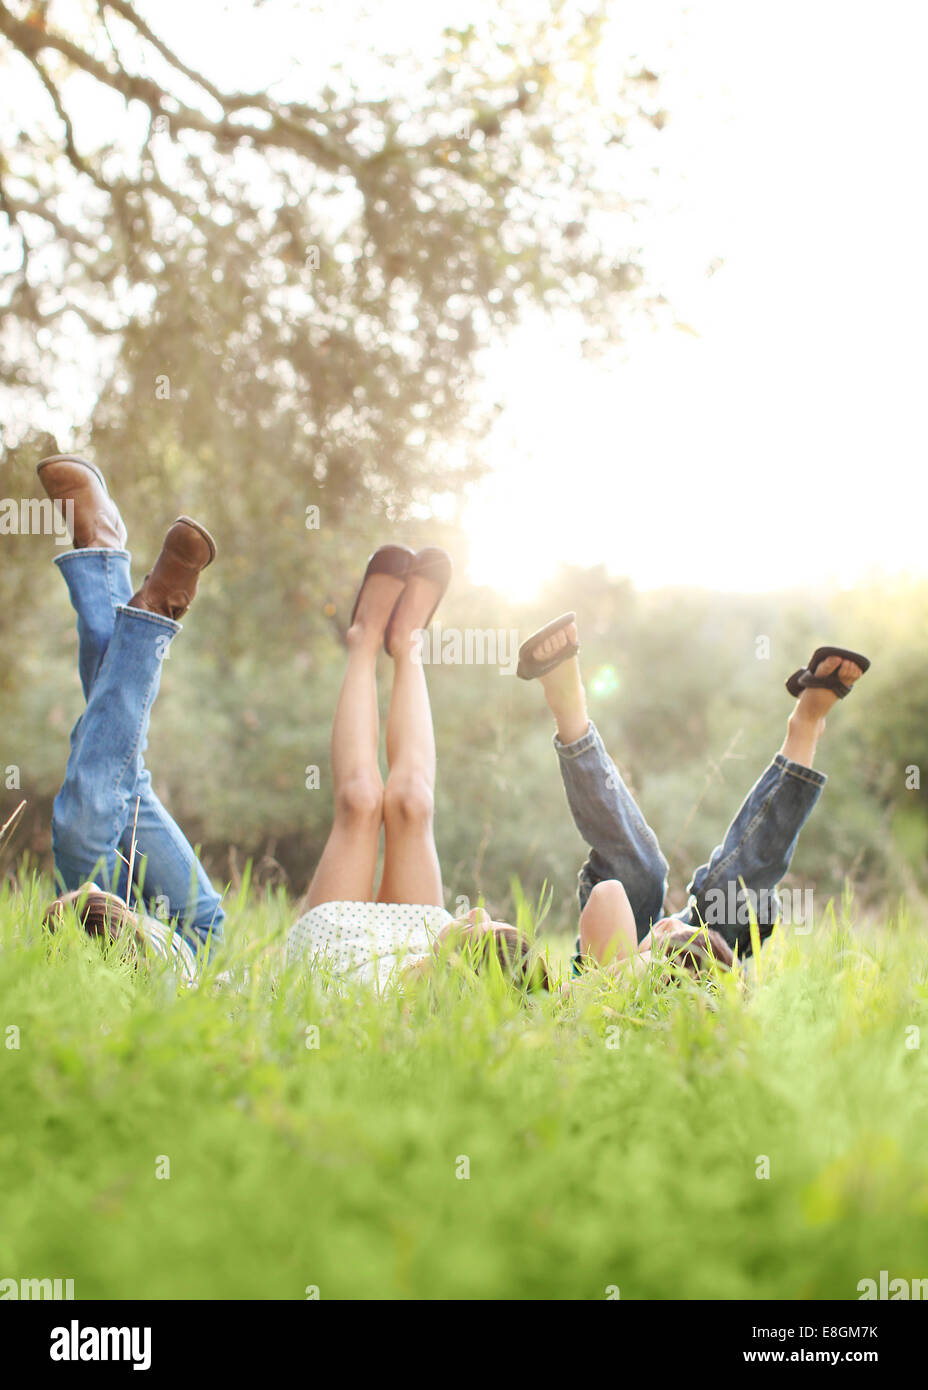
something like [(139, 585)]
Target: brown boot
[(169, 589), (93, 517)]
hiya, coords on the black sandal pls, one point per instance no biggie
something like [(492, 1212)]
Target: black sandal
[(803, 679), (431, 563), (389, 559), (529, 667)]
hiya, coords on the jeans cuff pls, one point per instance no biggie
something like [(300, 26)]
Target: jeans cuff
[(579, 745), (72, 555), (800, 771), (157, 618)]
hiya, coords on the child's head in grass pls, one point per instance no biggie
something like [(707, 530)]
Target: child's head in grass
[(690, 948), (520, 963), (489, 946)]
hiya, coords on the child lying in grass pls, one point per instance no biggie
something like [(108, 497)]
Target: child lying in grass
[(344, 926), (624, 880), (107, 822)]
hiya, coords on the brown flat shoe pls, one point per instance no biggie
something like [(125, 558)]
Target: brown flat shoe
[(431, 563), (93, 518), (393, 560), (170, 588)]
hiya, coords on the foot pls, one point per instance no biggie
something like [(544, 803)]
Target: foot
[(428, 579), (563, 686), (813, 705), (375, 604), (170, 588), (79, 488), (806, 724)]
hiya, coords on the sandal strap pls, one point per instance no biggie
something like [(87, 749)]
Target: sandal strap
[(809, 682), (803, 679)]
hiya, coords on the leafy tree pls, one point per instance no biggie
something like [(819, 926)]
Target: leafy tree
[(317, 275), (276, 299)]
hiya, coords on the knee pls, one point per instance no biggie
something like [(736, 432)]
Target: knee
[(409, 800), (359, 802), (607, 926), (609, 893), (605, 891), (608, 909)]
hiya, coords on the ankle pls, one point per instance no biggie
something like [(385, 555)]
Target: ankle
[(572, 721), (149, 603), (804, 721), (802, 735)]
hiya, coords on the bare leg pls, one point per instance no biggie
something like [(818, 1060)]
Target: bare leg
[(607, 924), (411, 871), (563, 687), (807, 722), (345, 873)]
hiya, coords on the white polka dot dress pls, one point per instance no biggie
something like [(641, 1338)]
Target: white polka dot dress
[(365, 942)]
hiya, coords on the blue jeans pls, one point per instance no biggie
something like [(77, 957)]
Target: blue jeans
[(757, 848), (120, 651)]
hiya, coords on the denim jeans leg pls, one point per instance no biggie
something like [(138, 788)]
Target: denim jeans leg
[(92, 809), (95, 809), (757, 849), (622, 845), (173, 883), (98, 581)]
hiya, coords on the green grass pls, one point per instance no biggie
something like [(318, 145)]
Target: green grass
[(591, 1165)]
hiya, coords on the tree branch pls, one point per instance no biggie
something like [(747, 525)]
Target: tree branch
[(13, 207), (70, 147), (228, 103), (284, 133)]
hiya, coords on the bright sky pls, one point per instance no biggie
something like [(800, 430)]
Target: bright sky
[(775, 435), (785, 444)]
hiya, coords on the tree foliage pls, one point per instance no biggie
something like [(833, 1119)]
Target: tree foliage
[(316, 274)]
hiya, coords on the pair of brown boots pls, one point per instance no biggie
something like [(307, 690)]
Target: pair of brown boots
[(94, 522)]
